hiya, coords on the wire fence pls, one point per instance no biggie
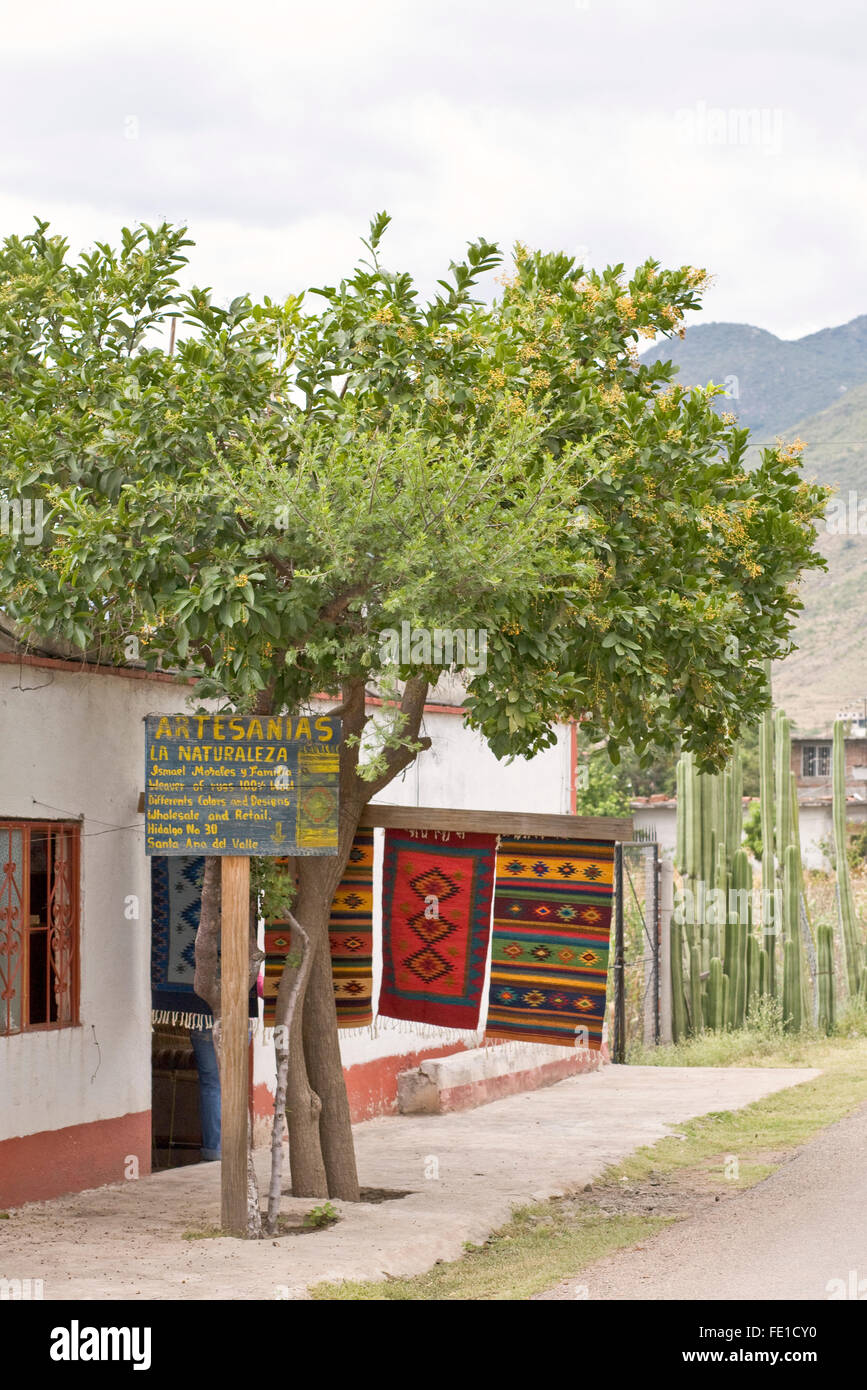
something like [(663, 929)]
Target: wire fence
[(635, 1009)]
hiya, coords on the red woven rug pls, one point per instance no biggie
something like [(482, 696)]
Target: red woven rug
[(436, 911)]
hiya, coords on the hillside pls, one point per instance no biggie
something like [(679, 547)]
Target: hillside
[(777, 382), (829, 671), (813, 388)]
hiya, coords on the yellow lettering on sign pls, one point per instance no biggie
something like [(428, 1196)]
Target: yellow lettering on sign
[(303, 725), (324, 729), (275, 728), (182, 728), (164, 728), (257, 725), (237, 728), (218, 729)]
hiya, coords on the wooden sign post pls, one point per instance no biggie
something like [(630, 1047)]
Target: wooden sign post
[(234, 1070), (235, 787)]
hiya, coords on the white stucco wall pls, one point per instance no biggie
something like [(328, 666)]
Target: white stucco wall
[(661, 823), (72, 746), (816, 826), (817, 831)]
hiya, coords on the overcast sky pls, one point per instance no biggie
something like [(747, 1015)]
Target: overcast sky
[(729, 136)]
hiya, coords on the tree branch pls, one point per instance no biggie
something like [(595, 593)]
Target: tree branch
[(289, 993), (396, 759)]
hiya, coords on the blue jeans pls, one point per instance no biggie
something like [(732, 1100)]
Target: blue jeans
[(209, 1091)]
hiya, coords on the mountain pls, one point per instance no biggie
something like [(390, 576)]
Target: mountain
[(828, 672), (772, 382), (815, 389)]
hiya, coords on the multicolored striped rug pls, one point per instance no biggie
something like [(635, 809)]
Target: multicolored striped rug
[(549, 964), (350, 932), (350, 935), (436, 911)]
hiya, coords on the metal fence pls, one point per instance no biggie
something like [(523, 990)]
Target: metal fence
[(636, 974)]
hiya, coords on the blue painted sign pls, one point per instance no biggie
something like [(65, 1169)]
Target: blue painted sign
[(241, 784)]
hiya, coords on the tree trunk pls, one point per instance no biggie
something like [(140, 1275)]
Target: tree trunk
[(323, 1164), (316, 883), (325, 1069)]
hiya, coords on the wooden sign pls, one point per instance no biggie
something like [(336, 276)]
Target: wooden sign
[(241, 784)]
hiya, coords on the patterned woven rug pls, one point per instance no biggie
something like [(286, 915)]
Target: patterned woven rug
[(549, 963), (350, 934), (176, 906), (436, 911), (176, 902)]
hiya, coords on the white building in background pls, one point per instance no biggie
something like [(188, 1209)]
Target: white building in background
[(78, 1075)]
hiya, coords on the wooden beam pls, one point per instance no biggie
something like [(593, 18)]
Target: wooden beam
[(234, 1028), (498, 822)]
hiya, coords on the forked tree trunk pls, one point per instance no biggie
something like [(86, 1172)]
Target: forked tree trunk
[(309, 1105), (323, 1160), (325, 1070)]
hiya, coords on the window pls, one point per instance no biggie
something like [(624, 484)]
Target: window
[(816, 760), (39, 924)]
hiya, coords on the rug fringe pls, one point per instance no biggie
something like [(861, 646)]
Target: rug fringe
[(174, 1019), (472, 1037)]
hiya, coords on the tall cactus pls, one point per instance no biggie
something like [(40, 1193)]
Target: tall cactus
[(696, 1003), (740, 918), (766, 792), (811, 972), (792, 1009), (754, 973), (849, 933), (678, 1004), (716, 995), (793, 988), (712, 863), (825, 947), (722, 947), (783, 778)]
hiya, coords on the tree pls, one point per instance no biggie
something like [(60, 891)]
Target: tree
[(603, 789), (259, 507)]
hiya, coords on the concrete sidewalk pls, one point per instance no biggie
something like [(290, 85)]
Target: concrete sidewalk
[(464, 1173)]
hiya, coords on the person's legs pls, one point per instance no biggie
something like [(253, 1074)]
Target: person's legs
[(209, 1091)]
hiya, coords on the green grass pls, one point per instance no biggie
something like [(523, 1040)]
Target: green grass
[(540, 1245), (554, 1240), (779, 1123)]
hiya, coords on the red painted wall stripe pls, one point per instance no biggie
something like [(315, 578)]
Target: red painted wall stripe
[(56, 1161)]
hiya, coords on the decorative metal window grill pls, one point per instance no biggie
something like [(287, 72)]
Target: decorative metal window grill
[(39, 924), (816, 760)]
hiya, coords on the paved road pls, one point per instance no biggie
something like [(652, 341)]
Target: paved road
[(789, 1237)]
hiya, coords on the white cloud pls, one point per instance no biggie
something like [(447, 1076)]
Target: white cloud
[(276, 130)]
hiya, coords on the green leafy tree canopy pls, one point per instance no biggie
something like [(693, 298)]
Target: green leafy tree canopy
[(257, 507)]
